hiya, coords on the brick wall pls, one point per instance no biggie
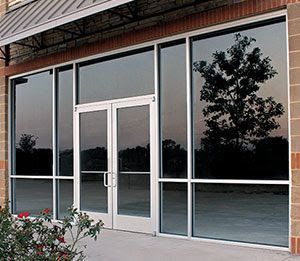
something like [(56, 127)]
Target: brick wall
[(294, 57), (3, 127)]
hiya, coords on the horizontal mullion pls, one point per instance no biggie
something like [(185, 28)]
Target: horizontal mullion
[(239, 181), (173, 180), (92, 172), (31, 177), (134, 172), (41, 177)]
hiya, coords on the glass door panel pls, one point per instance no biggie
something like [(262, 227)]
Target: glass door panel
[(133, 161), (132, 166), (94, 163)]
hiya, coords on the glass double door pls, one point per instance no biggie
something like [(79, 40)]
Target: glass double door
[(115, 163)]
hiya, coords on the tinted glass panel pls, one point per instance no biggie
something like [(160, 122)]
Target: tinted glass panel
[(117, 77), (33, 124), (64, 197), (32, 196), (241, 104), (173, 111), (134, 161), (246, 213), (93, 193), (93, 142), (65, 121), (174, 208)]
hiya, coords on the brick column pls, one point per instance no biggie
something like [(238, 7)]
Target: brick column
[(294, 73), (3, 125)]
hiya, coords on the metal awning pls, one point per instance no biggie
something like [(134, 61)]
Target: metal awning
[(41, 15)]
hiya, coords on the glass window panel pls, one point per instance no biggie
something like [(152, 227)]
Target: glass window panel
[(134, 161), (241, 109), (31, 195), (173, 111), (64, 197), (245, 213), (33, 124), (125, 75), (93, 194), (173, 208), (65, 120)]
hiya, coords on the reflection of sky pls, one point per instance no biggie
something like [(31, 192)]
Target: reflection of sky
[(34, 109), (127, 76), (173, 94), (271, 40), (65, 110), (134, 76)]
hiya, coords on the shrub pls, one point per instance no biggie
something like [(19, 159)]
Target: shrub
[(25, 238)]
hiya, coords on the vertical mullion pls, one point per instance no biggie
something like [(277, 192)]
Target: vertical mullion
[(157, 77), (157, 139), (76, 147), (189, 136), (54, 141), (11, 138)]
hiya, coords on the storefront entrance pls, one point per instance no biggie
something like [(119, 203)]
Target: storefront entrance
[(115, 162)]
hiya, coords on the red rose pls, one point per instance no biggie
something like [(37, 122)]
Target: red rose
[(46, 211), (61, 239), (23, 215)]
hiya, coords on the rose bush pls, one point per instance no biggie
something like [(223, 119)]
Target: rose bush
[(39, 238)]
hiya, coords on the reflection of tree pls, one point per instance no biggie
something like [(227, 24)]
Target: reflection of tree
[(238, 121), (31, 160), (174, 159), (94, 159), (135, 159), (27, 142)]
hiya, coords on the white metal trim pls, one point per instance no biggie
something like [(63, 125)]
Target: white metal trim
[(157, 141), (189, 135), (239, 181), (225, 242), (96, 106), (289, 130), (174, 180)]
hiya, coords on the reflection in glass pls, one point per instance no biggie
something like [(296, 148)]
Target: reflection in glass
[(65, 120), (240, 104), (93, 161), (93, 194), (31, 195), (93, 141), (121, 76), (134, 161), (33, 124), (64, 197), (134, 194), (246, 213), (173, 208), (173, 110)]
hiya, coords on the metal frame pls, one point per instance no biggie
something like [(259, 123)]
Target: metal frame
[(189, 179), (112, 219), (61, 20)]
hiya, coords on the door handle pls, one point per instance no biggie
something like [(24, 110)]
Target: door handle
[(105, 179)]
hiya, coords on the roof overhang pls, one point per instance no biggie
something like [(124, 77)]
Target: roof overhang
[(41, 15)]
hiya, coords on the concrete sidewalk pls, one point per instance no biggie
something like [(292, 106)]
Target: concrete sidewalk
[(115, 245)]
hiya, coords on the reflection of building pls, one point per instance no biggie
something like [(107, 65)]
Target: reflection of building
[(107, 97)]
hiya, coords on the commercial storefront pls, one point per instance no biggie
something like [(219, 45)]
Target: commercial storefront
[(174, 130)]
